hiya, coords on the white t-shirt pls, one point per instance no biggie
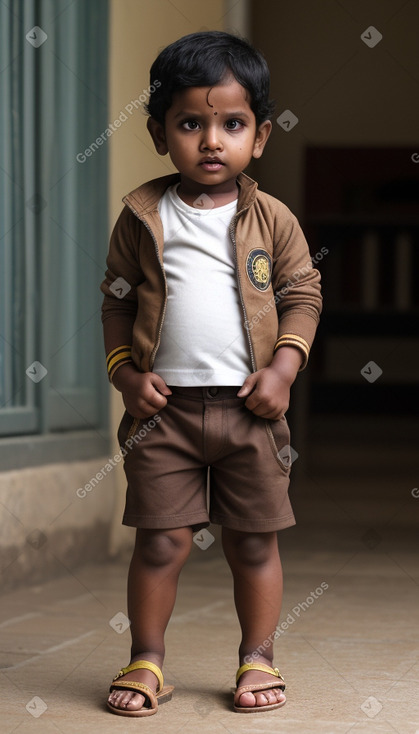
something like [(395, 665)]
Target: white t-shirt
[(203, 340)]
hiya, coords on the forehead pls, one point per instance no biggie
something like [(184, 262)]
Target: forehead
[(227, 95)]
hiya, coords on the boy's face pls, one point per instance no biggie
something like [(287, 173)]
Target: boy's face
[(211, 135)]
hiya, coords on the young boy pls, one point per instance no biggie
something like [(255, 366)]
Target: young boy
[(211, 305)]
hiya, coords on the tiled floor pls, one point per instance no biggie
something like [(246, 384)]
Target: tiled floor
[(349, 655)]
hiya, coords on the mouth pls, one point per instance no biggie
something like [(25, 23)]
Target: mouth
[(211, 164)]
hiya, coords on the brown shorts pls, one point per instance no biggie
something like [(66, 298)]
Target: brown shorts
[(167, 457)]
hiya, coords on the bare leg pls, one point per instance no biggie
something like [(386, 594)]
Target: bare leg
[(152, 584), (256, 566)]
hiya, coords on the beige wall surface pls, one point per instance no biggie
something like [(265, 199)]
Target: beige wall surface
[(139, 29), (342, 91), (49, 523)]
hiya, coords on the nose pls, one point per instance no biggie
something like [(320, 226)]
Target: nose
[(211, 139)]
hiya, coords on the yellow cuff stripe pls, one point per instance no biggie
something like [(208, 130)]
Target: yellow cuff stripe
[(292, 340), (117, 357), (295, 338), (122, 355), (123, 347), (117, 366)]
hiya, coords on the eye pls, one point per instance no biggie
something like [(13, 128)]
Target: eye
[(233, 124), (190, 125)]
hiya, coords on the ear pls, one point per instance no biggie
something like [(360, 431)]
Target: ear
[(262, 134), (156, 131)]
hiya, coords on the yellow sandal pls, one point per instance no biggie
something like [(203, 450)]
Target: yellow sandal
[(153, 700), (258, 687)]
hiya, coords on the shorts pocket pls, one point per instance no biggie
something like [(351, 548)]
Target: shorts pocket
[(127, 428), (279, 440)]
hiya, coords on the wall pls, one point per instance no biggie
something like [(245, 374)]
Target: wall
[(342, 91), (46, 529)]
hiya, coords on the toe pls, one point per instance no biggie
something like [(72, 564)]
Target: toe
[(264, 698), (260, 698), (247, 700), (136, 702), (120, 699), (126, 700), (271, 695)]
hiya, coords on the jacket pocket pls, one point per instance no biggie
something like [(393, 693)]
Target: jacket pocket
[(279, 440)]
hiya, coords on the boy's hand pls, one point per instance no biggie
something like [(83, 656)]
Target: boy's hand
[(143, 393), (269, 388), (269, 395)]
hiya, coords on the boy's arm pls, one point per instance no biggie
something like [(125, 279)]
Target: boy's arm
[(143, 393), (298, 300), (296, 285), (119, 307)]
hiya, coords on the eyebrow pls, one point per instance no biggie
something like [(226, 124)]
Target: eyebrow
[(197, 115)]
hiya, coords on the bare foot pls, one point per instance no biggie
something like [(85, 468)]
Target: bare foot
[(259, 698), (129, 700)]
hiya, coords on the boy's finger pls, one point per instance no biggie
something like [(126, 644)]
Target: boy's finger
[(160, 385), (150, 406), (253, 403), (247, 387)]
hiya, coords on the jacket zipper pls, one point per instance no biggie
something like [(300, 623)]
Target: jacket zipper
[(163, 311), (233, 239)]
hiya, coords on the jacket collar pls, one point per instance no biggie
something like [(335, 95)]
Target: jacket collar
[(144, 199)]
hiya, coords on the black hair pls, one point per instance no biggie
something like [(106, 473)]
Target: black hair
[(203, 59)]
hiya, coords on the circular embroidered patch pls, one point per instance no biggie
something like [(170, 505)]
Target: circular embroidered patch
[(259, 269)]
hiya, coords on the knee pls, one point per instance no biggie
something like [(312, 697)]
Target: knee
[(163, 547), (251, 549)]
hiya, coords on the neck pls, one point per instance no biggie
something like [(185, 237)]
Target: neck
[(224, 194)]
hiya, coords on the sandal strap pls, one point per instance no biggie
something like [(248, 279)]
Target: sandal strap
[(252, 688), (258, 666), (140, 664)]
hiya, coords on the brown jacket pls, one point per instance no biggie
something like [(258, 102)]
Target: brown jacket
[(278, 287)]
